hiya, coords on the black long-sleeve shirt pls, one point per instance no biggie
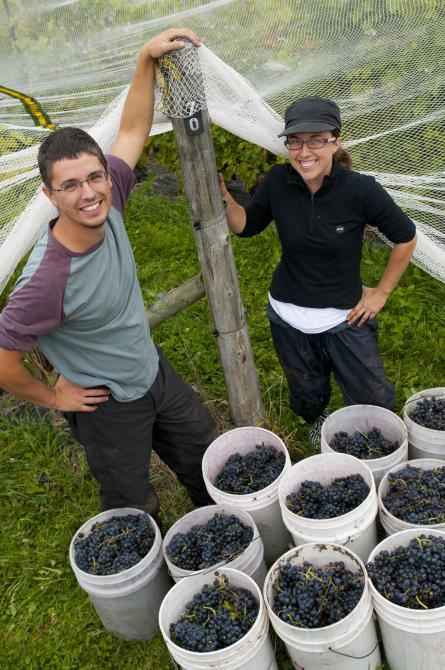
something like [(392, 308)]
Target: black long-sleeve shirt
[(322, 234)]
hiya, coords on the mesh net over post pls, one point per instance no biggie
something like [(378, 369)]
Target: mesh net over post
[(179, 78), (383, 61)]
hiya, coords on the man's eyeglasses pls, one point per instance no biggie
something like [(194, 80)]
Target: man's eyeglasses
[(312, 142), (73, 185)]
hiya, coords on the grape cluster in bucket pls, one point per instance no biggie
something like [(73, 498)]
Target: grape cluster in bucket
[(114, 545), (221, 538), (429, 412), (412, 576), (363, 445), (315, 501), (416, 495), (251, 472), (217, 616), (313, 597)]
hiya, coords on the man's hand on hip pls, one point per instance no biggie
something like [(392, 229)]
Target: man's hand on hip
[(72, 398)]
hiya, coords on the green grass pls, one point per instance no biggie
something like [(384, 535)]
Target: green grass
[(46, 620)]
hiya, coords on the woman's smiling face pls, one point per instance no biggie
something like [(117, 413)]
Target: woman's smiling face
[(313, 164)]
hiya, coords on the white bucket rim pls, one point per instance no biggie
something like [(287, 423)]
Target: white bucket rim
[(380, 463), (255, 497), (405, 536), (426, 393), (124, 574), (373, 463), (292, 553), (210, 655), (342, 541), (417, 462), (348, 516), (211, 510)]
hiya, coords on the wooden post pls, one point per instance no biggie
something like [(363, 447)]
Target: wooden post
[(175, 300), (212, 237)]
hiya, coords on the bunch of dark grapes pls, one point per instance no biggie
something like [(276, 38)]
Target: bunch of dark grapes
[(216, 617), (412, 576), (363, 445), (315, 501), (221, 538), (310, 597), (429, 412), (114, 545), (252, 472), (417, 496)]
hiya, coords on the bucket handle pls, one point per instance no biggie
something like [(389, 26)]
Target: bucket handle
[(357, 658)]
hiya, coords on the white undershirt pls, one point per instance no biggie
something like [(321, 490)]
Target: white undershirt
[(309, 319)]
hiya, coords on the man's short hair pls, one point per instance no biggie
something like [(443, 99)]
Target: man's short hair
[(66, 143)]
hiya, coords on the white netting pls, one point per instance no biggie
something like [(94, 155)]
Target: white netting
[(180, 80), (383, 61)]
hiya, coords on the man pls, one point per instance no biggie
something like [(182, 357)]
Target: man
[(79, 301)]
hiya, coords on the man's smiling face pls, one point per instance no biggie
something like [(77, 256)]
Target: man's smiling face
[(88, 204)]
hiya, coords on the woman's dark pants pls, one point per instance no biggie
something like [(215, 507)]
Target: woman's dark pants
[(351, 353)]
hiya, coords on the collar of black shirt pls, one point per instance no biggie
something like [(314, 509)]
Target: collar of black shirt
[(329, 181)]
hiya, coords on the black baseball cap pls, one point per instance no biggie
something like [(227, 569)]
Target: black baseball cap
[(311, 114)]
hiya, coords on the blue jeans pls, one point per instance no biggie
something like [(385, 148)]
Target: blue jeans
[(349, 352)]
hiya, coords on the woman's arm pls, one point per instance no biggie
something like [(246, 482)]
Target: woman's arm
[(373, 299), (235, 214)]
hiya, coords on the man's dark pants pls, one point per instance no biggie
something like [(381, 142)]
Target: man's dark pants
[(118, 438), (351, 353)]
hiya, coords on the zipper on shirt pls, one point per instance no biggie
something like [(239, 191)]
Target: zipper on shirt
[(312, 214)]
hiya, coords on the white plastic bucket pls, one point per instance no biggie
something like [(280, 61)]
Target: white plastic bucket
[(356, 529), (391, 523), (250, 561), (254, 651), (364, 418), (413, 639), (127, 602), (424, 442), (348, 644), (262, 505)]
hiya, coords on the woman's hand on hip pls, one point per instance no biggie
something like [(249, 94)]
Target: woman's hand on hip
[(372, 301)]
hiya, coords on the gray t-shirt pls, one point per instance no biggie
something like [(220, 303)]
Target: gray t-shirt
[(85, 311)]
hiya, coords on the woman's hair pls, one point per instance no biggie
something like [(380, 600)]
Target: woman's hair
[(341, 156)]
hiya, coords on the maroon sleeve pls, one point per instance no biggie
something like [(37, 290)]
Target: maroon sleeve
[(36, 305), (123, 179)]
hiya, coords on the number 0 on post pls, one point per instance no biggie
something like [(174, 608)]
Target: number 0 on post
[(193, 124)]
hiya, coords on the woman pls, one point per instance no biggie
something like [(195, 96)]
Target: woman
[(322, 318)]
